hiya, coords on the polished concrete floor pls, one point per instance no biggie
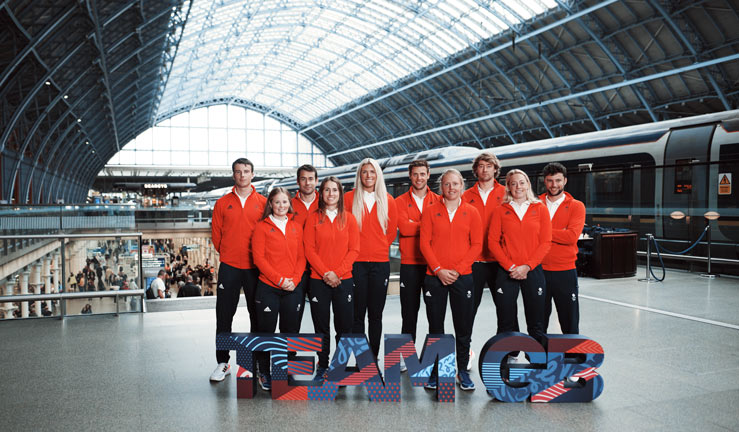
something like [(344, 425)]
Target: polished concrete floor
[(671, 363)]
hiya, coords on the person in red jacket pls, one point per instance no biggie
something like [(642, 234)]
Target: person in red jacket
[(485, 195), (376, 215), (411, 206), (234, 217), (277, 245), (451, 240), (520, 236), (568, 218), (331, 238), (304, 203)]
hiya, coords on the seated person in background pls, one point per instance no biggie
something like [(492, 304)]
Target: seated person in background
[(189, 289)]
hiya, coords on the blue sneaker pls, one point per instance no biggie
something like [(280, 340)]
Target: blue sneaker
[(465, 383), (265, 382), (320, 373), (431, 384)]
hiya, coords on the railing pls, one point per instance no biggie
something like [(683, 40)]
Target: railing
[(63, 295)]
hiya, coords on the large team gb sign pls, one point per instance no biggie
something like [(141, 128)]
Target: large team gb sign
[(549, 377)]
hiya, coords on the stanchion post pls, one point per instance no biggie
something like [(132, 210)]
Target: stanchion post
[(649, 277), (709, 217)]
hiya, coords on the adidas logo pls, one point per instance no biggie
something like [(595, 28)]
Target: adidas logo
[(298, 309), (402, 285), (314, 300), (499, 291), (267, 309), (229, 207), (428, 293), (220, 286)]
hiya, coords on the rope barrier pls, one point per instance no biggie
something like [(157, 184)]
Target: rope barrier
[(659, 254)]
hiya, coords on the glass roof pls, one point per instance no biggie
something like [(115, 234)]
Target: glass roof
[(304, 58)]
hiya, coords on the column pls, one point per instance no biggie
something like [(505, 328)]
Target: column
[(56, 264), (35, 282), (7, 289), (23, 280)]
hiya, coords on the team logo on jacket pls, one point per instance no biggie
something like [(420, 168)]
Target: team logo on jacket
[(541, 291)]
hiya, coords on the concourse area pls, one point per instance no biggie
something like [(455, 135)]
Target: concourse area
[(671, 363)]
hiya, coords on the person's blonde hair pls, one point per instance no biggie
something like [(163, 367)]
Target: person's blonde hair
[(529, 193), (451, 171), (380, 195)]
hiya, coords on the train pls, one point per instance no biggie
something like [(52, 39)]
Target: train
[(660, 178)]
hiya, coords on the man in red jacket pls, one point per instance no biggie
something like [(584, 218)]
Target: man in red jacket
[(234, 217), (568, 218), (304, 203), (411, 206), (485, 195)]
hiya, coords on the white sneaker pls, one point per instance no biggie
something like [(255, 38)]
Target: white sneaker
[(469, 362), (518, 359), (222, 370)]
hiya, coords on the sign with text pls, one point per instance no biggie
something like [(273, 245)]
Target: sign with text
[(563, 368)]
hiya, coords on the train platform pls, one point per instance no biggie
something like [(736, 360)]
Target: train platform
[(671, 363)]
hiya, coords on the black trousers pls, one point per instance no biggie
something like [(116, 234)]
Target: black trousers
[(305, 283), (412, 277), (323, 299), (231, 281), (483, 273), (562, 287), (272, 303), (533, 290), (462, 301), (370, 293)]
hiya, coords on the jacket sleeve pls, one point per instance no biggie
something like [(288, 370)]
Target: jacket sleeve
[(495, 237), (353, 246), (406, 227), (216, 226), (311, 249), (259, 252), (570, 234), (392, 222), (300, 265), (427, 251), (475, 241), (545, 239)]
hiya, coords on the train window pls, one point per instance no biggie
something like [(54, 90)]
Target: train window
[(683, 176), (608, 182)]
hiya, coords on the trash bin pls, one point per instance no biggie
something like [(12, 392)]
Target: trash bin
[(613, 255)]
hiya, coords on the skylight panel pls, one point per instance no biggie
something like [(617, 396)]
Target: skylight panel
[(321, 58)]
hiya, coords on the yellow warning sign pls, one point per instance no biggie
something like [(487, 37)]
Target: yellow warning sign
[(724, 184)]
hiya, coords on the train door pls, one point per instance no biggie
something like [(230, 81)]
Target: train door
[(685, 185), (723, 196)]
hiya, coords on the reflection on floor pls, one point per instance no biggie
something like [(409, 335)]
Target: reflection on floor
[(150, 371)]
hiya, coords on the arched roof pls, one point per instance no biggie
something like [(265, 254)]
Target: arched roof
[(81, 78)]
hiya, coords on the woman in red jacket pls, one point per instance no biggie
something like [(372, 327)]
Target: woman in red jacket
[(377, 219), (520, 236), (331, 240), (277, 247), (451, 240)]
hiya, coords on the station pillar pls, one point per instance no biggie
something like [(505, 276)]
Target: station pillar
[(23, 281)]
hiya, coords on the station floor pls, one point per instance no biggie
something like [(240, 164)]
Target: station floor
[(671, 363)]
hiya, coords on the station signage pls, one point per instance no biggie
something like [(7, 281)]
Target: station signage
[(564, 371), (155, 186), (724, 184)]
